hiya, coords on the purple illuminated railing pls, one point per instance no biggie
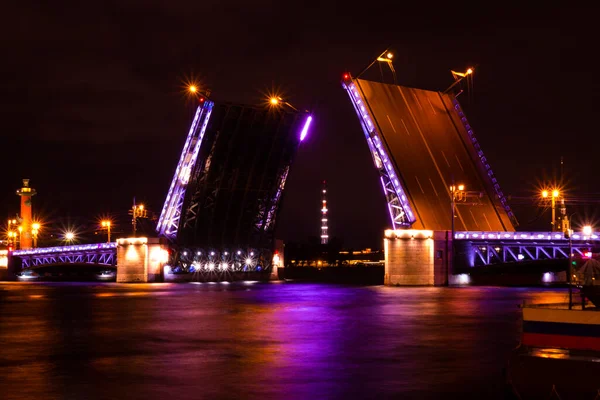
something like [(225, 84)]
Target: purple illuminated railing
[(542, 236), (401, 213), (65, 249), (168, 223)]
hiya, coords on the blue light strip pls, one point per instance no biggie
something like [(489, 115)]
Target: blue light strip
[(401, 213), (65, 249), (168, 223), (483, 160), (529, 236)]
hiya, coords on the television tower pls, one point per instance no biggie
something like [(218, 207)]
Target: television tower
[(26, 226), (324, 235)]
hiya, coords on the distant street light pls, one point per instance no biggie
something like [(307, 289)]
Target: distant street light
[(553, 196), (69, 236), (276, 101), (587, 230), (386, 57), (137, 211), (106, 224), (35, 230)]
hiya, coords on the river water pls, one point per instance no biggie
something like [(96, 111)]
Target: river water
[(257, 340)]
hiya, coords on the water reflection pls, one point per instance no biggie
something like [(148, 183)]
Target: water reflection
[(255, 340)]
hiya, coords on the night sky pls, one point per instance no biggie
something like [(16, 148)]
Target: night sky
[(94, 114)]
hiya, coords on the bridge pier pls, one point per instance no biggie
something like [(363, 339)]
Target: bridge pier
[(417, 257), (141, 259)]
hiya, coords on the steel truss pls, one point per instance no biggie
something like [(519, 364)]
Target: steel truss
[(488, 248), (168, 223), (401, 213), (234, 194), (499, 253), (98, 254)]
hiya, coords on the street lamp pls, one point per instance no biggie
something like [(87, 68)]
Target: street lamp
[(35, 229), (69, 236), (457, 193), (553, 196), (10, 233), (386, 56), (137, 211), (106, 224), (276, 101)]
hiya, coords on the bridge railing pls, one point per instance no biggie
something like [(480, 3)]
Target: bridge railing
[(65, 249), (95, 253), (527, 236)]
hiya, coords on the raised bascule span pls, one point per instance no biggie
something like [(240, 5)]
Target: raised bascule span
[(222, 205), (422, 144)]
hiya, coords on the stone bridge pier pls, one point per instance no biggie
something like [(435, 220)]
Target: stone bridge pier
[(141, 259)]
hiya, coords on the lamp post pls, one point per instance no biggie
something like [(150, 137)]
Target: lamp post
[(137, 211), (12, 234), (276, 101), (457, 193), (553, 196), (569, 272), (386, 56), (35, 229), (106, 224)]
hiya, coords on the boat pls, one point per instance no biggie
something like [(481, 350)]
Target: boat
[(558, 356)]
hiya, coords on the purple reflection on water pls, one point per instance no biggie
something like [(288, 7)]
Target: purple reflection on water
[(255, 340)]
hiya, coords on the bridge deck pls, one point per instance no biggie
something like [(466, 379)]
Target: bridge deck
[(430, 148)]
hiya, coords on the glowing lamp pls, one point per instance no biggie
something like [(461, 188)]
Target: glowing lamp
[(555, 193), (390, 56), (274, 101), (193, 89), (587, 230)]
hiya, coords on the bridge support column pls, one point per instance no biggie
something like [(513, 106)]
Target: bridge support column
[(141, 259), (416, 257)]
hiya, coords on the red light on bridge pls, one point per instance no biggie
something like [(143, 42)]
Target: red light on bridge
[(201, 99), (346, 76)]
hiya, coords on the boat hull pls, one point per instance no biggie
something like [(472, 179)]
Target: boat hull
[(559, 354)]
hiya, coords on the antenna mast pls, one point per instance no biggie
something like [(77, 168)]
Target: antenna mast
[(324, 234)]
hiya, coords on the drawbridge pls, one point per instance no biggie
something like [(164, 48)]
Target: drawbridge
[(422, 145)]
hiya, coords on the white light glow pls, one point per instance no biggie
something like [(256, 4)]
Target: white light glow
[(305, 129), (408, 233), (463, 279)]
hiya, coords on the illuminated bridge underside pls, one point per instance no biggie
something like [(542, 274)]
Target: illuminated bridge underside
[(476, 249), (168, 223), (236, 186), (96, 254), (430, 145)]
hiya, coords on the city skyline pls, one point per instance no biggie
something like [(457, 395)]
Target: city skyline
[(97, 118)]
